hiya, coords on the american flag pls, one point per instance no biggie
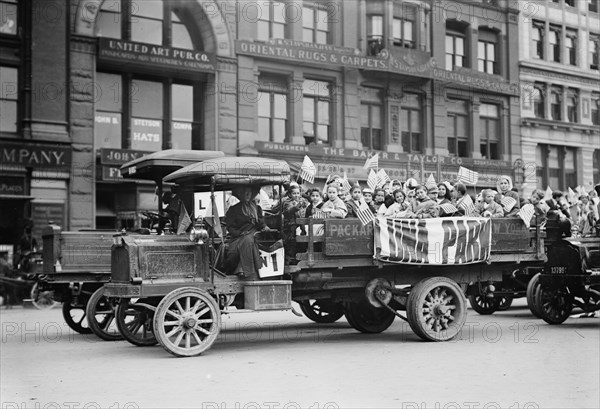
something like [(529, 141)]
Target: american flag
[(467, 176), (508, 203), (448, 208), (318, 214), (345, 184), (265, 202), (430, 184), (184, 219), (372, 162), (467, 205), (372, 180), (364, 214), (308, 170), (526, 213), (212, 218), (382, 177)]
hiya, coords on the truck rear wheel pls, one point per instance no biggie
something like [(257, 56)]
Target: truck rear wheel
[(554, 304), (187, 321), (436, 309), (483, 304), (363, 317), (73, 311), (135, 322), (322, 311), (532, 286), (100, 312)]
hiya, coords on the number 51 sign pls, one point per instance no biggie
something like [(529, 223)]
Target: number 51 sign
[(272, 263)]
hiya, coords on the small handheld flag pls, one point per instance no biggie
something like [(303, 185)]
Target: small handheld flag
[(364, 214), (345, 184), (372, 162), (372, 180), (448, 208), (526, 213), (467, 176), (508, 203), (184, 219), (430, 184), (308, 170), (382, 177)]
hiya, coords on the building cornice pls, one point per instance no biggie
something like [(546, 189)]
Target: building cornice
[(563, 73), (567, 126)]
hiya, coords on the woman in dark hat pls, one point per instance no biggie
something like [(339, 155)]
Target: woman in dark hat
[(243, 221)]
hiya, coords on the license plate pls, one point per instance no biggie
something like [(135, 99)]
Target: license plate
[(558, 270)]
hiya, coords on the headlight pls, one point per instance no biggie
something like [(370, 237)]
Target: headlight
[(193, 234)]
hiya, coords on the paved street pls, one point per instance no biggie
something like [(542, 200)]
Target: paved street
[(280, 360)]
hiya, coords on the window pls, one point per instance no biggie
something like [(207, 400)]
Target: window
[(151, 22), (271, 20), (375, 34), (572, 104), (8, 17), (455, 50), (458, 128), (371, 119), (315, 25), (411, 123), (594, 50), (9, 98), (570, 3), (182, 115), (595, 108), (316, 108), (108, 125), (557, 166), (571, 43), (404, 25), (538, 39), (555, 104), (272, 109), (489, 128), (486, 52), (539, 101), (554, 40), (593, 5)]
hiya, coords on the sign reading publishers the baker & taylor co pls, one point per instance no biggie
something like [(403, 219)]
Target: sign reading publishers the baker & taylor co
[(143, 55)]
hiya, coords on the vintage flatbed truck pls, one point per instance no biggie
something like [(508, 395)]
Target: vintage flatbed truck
[(180, 291), (76, 264)]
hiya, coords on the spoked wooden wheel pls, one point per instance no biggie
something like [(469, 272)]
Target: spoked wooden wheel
[(554, 304), (42, 298), (100, 313), (436, 309), (135, 322), (483, 304), (505, 302), (73, 311), (532, 287), (187, 322), (363, 317), (322, 311)]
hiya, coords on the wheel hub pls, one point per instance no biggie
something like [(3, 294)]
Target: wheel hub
[(189, 322), (440, 309)]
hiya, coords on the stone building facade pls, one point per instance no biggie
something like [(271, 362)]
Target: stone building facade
[(90, 84)]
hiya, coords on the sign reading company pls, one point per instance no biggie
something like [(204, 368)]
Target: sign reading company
[(35, 155), (119, 51)]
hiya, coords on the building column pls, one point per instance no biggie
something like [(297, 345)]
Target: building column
[(475, 129), (296, 113), (393, 125)]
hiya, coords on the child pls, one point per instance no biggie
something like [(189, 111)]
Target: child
[(316, 202), (400, 208), (488, 207), (425, 207), (334, 207), (354, 202), (378, 202)]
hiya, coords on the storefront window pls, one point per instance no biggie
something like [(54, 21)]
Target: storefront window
[(371, 119), (489, 128), (557, 166), (9, 96), (316, 105), (458, 128), (146, 115), (8, 17), (271, 20), (182, 114), (109, 101), (410, 123)]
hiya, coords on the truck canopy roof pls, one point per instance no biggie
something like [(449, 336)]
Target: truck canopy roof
[(157, 165), (230, 171)]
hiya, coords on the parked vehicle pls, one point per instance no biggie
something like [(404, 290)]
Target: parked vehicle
[(76, 264), (179, 284)]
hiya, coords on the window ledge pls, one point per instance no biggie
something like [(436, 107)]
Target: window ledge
[(550, 124)]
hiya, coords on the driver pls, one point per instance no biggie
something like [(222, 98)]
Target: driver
[(243, 220)]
